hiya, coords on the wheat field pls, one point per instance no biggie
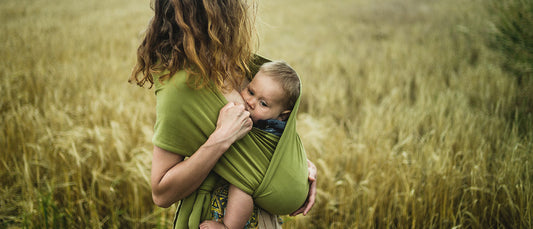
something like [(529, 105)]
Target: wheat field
[(408, 115)]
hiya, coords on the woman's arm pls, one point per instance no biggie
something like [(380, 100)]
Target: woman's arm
[(173, 178)]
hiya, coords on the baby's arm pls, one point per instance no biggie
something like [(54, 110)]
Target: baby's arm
[(238, 211)]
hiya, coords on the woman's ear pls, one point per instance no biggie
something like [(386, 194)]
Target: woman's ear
[(284, 115)]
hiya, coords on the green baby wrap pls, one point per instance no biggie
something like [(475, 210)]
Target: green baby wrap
[(272, 169)]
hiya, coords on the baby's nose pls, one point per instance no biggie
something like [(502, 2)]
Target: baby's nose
[(251, 102)]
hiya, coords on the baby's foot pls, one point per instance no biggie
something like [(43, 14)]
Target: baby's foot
[(208, 224)]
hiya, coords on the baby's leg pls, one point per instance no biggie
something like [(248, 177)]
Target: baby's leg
[(239, 209)]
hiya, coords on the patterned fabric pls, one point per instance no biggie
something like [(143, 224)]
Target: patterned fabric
[(219, 201)]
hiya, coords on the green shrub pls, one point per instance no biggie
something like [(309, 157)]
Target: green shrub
[(513, 35)]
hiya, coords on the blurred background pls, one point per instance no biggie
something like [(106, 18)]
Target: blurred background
[(417, 113)]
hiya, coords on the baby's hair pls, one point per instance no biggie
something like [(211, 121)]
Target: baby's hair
[(287, 76)]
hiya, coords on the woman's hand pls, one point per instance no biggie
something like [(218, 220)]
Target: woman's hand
[(173, 178), (312, 190), (233, 123)]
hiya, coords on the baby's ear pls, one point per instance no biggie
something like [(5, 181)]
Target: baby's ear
[(284, 115)]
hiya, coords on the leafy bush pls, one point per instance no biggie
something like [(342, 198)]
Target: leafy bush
[(513, 35)]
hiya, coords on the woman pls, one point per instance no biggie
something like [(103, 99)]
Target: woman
[(207, 43)]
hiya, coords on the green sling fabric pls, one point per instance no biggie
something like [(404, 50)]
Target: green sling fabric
[(270, 168)]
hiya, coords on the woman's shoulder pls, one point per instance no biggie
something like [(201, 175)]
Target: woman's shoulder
[(233, 96), (162, 79)]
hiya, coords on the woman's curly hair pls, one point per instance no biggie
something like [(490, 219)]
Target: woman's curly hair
[(210, 39)]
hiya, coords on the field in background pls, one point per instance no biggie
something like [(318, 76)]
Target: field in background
[(409, 117)]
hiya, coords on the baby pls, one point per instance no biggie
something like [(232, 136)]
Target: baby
[(270, 98)]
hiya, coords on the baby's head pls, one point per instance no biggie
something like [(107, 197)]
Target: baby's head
[(273, 92)]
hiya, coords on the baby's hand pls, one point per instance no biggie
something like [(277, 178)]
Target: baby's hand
[(212, 224)]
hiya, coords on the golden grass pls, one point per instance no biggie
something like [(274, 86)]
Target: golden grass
[(406, 113)]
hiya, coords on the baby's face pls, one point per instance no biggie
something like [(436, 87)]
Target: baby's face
[(264, 98)]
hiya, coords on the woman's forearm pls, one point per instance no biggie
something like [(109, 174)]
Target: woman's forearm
[(174, 178)]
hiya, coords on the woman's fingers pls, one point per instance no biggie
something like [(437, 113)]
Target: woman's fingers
[(300, 210), (312, 187), (227, 106), (247, 123), (234, 121), (311, 197), (312, 170)]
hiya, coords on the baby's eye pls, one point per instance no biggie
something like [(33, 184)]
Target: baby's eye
[(263, 104), (250, 92)]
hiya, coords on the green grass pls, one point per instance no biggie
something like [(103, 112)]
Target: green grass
[(410, 115)]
